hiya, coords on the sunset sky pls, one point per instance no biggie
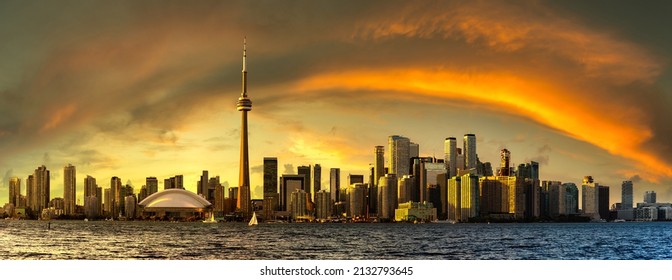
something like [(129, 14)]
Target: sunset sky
[(148, 88)]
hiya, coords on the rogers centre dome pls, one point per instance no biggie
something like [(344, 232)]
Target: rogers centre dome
[(174, 200)]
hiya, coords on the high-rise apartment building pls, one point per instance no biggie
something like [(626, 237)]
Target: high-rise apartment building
[(378, 164), (357, 200), (317, 178), (69, 189), (41, 188), (400, 155), (387, 193), (305, 172), (117, 196), (323, 205), (626, 195)]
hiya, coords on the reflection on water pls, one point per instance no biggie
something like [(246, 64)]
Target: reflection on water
[(162, 240)]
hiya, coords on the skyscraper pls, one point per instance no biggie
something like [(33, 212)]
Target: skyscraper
[(152, 185), (400, 155), (69, 189), (203, 185), (244, 105), (378, 164), (41, 188), (387, 196), (270, 175), (450, 150), (505, 165), (305, 171), (590, 197), (335, 183), (470, 159), (117, 196), (91, 200), (317, 178), (14, 190), (626, 195)]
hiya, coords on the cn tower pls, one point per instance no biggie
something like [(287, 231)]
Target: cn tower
[(244, 105)]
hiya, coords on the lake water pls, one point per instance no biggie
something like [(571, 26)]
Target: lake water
[(103, 240)]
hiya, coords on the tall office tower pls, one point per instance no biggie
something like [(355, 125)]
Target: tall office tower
[(405, 188), (387, 194), (323, 205), (603, 200), (534, 170), (130, 206), (117, 196), (400, 152), (244, 105), (168, 183), (41, 186), (487, 169), (213, 183), (469, 196), (203, 184), (357, 200), (429, 180), (69, 189), (219, 198), (289, 183), (372, 194), (470, 157), (505, 165), (107, 206), (626, 195), (305, 171), (450, 150), (31, 194), (152, 185), (335, 183), (270, 175), (442, 208), (297, 205), (317, 178), (378, 164), (142, 194), (14, 190), (553, 199), (89, 186), (590, 197), (650, 197), (355, 179)]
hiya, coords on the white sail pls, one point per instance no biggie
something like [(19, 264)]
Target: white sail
[(253, 221)]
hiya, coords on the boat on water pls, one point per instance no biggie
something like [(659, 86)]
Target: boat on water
[(619, 221), (253, 221), (211, 219)]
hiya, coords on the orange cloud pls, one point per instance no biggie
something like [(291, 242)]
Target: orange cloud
[(550, 105), (59, 116)]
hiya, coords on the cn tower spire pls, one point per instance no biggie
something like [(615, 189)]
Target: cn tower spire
[(244, 105)]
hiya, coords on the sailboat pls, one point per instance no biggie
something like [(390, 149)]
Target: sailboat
[(253, 221), (212, 218)]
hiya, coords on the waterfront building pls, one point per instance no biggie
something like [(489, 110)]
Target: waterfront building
[(323, 205), (378, 164), (130, 206), (335, 184), (107, 206), (469, 204), (244, 105), (41, 188), (289, 183), (219, 199), (271, 184), (442, 208), (400, 155), (626, 195), (31, 195), (505, 163), (603, 202), (450, 150), (298, 207), (116, 192), (174, 204), (91, 190), (454, 196), (317, 178), (415, 211), (69, 189), (650, 197), (556, 198), (429, 179), (91, 209), (590, 198), (503, 196), (387, 194), (459, 162), (571, 198), (357, 200)]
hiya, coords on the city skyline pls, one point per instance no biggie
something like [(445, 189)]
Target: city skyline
[(134, 93)]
